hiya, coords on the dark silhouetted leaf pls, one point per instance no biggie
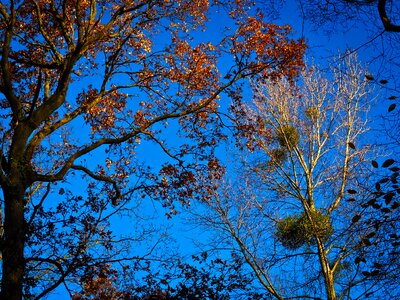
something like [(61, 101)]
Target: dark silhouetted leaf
[(352, 146), (388, 163), (351, 200), (370, 235), (388, 198), (384, 180), (392, 107), (356, 218), (377, 186), (392, 97), (352, 192), (377, 265), (383, 81), (394, 176), (376, 206), (385, 210), (369, 77), (360, 259), (374, 164), (366, 241), (394, 169), (366, 273), (375, 273)]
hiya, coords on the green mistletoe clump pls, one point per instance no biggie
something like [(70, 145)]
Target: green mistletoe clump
[(296, 231)]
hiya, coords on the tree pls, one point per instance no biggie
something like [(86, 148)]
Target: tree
[(203, 278), (291, 214), (80, 77), (374, 22), (381, 13)]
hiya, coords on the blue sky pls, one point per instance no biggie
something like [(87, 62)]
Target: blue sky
[(321, 49)]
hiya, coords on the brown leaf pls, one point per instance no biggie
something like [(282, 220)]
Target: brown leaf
[(356, 218), (352, 146), (369, 77)]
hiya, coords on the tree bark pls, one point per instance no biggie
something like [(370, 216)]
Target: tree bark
[(13, 243), (327, 272)]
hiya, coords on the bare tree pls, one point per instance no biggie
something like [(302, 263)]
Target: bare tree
[(287, 212)]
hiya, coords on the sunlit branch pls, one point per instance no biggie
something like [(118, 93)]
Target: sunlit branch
[(109, 141), (44, 34), (55, 263), (38, 206)]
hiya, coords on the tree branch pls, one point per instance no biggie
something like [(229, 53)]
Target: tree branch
[(101, 178), (387, 23)]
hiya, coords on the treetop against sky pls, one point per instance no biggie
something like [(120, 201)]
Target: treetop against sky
[(112, 111), (97, 65)]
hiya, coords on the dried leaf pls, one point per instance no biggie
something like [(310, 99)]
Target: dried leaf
[(369, 77), (356, 218), (352, 146)]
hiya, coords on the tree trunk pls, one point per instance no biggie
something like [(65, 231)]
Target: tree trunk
[(326, 270), (14, 241)]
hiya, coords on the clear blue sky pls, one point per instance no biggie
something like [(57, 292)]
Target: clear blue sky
[(321, 48)]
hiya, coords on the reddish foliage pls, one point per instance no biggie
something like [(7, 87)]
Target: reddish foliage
[(77, 76)]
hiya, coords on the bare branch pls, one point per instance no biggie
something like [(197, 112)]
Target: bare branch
[(387, 23)]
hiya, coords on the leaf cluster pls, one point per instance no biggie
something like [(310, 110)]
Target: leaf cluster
[(312, 113), (278, 155), (296, 231), (288, 136), (201, 278), (380, 243)]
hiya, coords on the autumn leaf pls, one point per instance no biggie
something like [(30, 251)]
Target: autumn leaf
[(366, 273), (369, 77), (351, 145)]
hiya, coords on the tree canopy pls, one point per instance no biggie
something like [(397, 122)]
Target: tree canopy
[(113, 110), (78, 77)]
